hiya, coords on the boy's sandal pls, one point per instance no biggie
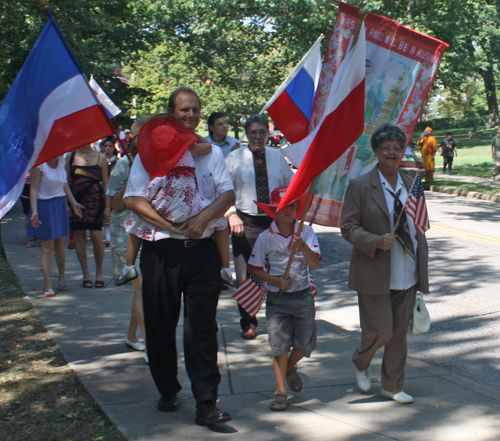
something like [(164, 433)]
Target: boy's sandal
[(87, 284), (279, 402), (49, 293), (99, 284), (293, 379)]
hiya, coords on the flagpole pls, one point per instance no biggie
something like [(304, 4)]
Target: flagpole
[(310, 194), (361, 16), (401, 212)]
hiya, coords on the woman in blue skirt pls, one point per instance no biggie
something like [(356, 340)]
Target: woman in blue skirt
[(49, 218)]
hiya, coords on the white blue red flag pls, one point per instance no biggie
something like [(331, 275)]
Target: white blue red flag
[(340, 125), (49, 110), (416, 208), (290, 107), (104, 99)]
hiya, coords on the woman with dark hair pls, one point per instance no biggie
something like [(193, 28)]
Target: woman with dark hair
[(88, 174), (386, 269)]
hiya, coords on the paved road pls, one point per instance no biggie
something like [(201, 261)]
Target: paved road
[(464, 302)]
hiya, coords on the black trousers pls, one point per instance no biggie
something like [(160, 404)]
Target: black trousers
[(447, 161), (243, 245), (168, 271)]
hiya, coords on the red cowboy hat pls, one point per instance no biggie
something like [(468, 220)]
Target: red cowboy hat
[(276, 196), (162, 142)]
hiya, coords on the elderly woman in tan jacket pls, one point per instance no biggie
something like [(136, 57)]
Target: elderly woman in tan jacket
[(386, 269)]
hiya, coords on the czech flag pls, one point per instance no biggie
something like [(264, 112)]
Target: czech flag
[(290, 107), (341, 124), (49, 110)]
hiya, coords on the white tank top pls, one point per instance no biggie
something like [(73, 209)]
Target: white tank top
[(52, 180)]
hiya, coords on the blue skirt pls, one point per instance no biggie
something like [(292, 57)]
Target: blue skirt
[(54, 217)]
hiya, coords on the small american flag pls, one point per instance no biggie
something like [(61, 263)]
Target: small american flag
[(251, 294), (416, 208)]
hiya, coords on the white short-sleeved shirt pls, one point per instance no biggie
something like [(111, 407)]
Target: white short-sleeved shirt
[(272, 251), (404, 271), (212, 179), (240, 164)]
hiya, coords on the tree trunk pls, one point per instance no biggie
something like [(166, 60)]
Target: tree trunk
[(491, 95)]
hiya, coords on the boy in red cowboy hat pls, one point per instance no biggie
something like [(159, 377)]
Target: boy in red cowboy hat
[(166, 148), (290, 316)]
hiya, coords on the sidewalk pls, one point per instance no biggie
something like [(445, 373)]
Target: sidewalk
[(89, 326), (465, 180)]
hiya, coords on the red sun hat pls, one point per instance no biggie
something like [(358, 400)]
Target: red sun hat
[(276, 196), (162, 142)]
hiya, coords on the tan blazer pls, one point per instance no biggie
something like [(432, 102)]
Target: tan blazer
[(364, 219)]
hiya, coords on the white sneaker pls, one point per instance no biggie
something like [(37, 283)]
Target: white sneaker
[(364, 380), (227, 276), (137, 346), (146, 358), (399, 397)]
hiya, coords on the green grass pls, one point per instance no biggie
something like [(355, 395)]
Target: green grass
[(474, 159), (41, 397)]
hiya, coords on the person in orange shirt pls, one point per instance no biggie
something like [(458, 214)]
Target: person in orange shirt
[(428, 148)]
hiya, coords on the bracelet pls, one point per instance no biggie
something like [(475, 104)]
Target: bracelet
[(228, 215), (107, 209)]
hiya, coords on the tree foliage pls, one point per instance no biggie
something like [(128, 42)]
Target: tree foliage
[(236, 53)]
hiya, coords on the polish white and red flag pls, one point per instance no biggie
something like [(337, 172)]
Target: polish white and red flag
[(341, 124)]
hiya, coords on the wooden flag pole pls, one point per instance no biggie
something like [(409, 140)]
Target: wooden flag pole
[(310, 195)]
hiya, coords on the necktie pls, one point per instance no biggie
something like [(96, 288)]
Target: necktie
[(402, 232), (261, 181)]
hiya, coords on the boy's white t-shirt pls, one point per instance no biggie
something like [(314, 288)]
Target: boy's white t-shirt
[(272, 251)]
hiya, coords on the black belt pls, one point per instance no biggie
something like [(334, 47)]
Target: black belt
[(190, 243)]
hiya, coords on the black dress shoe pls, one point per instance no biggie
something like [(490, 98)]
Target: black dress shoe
[(209, 413), (168, 403)]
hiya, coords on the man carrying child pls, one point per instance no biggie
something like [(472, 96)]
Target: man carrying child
[(178, 264)]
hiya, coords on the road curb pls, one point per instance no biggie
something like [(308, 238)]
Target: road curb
[(463, 192)]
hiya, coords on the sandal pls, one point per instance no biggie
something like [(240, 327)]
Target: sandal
[(31, 243), (87, 284), (62, 288), (49, 293), (293, 379), (99, 284), (279, 402)]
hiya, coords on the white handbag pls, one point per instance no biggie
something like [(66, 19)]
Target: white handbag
[(421, 320)]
